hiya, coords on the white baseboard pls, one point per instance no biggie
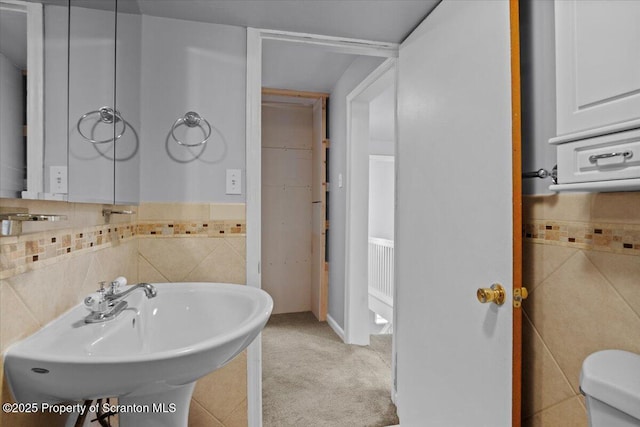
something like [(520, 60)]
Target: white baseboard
[(336, 328)]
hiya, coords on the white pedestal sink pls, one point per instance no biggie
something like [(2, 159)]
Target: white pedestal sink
[(149, 355)]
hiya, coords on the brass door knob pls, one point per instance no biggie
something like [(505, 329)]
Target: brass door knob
[(496, 294)]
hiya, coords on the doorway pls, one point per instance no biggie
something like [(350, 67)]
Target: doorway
[(294, 144), (369, 244), (255, 38)]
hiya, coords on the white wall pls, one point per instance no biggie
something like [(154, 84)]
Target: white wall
[(381, 147), (11, 120), (191, 66), (381, 164), (357, 71), (538, 92), (381, 196), (382, 116)]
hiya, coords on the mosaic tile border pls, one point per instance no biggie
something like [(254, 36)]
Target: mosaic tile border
[(19, 254), (606, 237), (192, 228)]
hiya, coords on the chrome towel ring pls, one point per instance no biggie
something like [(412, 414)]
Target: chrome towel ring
[(108, 116), (191, 119)]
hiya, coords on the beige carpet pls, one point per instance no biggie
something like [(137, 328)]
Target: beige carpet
[(311, 378)]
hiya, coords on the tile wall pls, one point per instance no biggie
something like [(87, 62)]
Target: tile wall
[(200, 243), (51, 266), (581, 262), (582, 268)]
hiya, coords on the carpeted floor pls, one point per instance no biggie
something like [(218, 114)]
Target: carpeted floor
[(311, 378)]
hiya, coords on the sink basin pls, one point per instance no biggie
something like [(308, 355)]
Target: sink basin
[(150, 354)]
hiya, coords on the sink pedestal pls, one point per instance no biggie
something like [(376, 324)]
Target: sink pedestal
[(164, 409)]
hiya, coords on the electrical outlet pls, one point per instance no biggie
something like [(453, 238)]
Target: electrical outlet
[(58, 180), (234, 181)]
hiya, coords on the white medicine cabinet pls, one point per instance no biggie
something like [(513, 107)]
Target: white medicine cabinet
[(104, 102), (597, 95), (70, 100)]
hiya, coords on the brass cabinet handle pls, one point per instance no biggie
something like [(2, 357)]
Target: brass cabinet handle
[(496, 294)]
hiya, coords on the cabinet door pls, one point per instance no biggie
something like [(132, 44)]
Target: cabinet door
[(127, 147), (93, 126), (597, 65)]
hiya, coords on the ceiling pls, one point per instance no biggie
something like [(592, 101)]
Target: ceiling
[(378, 20), (291, 65), (295, 66)]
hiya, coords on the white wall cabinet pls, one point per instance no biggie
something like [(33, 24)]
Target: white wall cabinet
[(597, 83), (597, 66), (104, 71), (608, 162)]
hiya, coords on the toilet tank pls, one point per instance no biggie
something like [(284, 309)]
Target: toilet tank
[(610, 380)]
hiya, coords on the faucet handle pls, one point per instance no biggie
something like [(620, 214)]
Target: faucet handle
[(95, 301), (89, 301), (114, 287)]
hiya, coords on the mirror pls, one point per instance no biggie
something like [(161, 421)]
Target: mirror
[(70, 109), (95, 125), (104, 101), (128, 74), (33, 83)]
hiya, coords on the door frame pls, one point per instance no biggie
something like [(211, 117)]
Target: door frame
[(356, 307), (516, 165), (253, 170)]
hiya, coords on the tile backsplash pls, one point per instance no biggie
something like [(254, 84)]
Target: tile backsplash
[(607, 237), (18, 253), (48, 269)]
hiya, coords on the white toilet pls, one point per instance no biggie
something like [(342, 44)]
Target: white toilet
[(610, 380)]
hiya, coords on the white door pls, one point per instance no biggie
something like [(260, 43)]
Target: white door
[(454, 223)]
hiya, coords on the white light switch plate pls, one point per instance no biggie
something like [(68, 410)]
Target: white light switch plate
[(234, 181)]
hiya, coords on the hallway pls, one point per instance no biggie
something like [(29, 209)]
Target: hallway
[(311, 378)]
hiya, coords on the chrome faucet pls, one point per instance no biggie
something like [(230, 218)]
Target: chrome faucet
[(106, 304), (113, 295)]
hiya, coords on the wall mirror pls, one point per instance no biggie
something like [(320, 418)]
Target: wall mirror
[(70, 110), (93, 117), (104, 106), (33, 105)]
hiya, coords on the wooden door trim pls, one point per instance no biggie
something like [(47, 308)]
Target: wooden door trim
[(294, 93), (514, 16)]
